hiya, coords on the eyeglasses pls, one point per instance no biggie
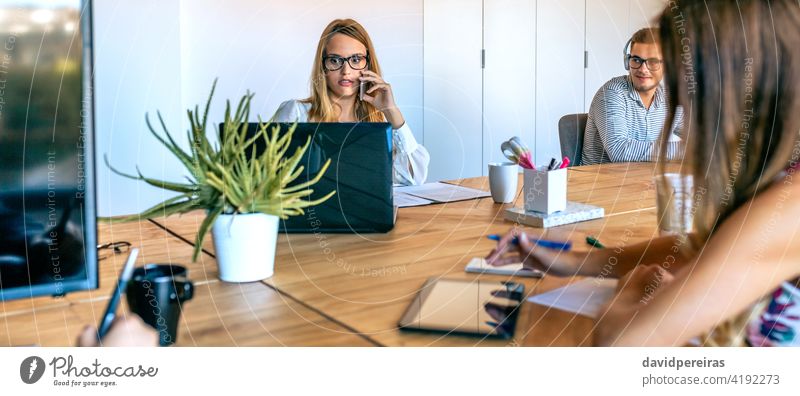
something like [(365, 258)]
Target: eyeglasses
[(636, 62), (107, 250), (336, 62)]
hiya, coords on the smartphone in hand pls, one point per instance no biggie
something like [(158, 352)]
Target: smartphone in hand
[(363, 86), (116, 295)]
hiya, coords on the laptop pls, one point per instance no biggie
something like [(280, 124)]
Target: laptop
[(360, 172)]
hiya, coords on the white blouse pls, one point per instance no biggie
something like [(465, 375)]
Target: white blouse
[(410, 159)]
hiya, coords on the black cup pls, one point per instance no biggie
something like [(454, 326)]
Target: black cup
[(156, 292)]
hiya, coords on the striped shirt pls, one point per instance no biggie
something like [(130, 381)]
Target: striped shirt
[(621, 129)]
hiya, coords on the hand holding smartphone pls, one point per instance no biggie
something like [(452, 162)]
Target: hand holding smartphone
[(362, 87), (116, 295)]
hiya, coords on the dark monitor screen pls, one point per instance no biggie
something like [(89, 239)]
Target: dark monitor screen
[(360, 172), (47, 209)]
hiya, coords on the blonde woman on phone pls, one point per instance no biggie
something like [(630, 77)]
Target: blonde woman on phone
[(346, 60)]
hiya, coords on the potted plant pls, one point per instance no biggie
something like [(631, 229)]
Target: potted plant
[(243, 192)]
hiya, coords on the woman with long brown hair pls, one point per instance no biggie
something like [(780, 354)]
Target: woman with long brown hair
[(345, 57), (735, 69)]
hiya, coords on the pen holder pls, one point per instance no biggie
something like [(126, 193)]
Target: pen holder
[(545, 191)]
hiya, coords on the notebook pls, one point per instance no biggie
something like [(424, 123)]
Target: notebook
[(439, 192), (479, 265)]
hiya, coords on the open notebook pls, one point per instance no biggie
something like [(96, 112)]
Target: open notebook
[(431, 193), (479, 266)]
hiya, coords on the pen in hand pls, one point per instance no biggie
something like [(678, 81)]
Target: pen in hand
[(111, 310), (539, 242)]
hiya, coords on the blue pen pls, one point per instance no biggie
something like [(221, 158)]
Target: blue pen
[(540, 242)]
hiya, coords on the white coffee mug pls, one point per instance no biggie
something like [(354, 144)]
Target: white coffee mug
[(503, 178)]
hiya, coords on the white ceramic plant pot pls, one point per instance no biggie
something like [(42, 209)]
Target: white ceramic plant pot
[(245, 246)]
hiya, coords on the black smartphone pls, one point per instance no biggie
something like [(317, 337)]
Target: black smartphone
[(116, 295), (363, 86)]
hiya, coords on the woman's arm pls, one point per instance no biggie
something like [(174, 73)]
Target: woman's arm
[(614, 262), (411, 159), (756, 249), (291, 111), (611, 262)]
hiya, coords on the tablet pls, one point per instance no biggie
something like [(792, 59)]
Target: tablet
[(465, 307)]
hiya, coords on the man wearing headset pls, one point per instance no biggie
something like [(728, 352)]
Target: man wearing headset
[(627, 114)]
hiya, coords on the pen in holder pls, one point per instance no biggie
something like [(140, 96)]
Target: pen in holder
[(545, 191)]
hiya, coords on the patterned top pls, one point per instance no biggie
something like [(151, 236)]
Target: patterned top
[(620, 128), (779, 323)]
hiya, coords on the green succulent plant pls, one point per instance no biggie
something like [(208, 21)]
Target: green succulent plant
[(230, 177)]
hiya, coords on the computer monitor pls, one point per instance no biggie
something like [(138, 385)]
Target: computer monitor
[(360, 172), (47, 200)]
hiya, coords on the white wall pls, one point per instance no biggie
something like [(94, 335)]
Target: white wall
[(164, 55), (137, 70), (268, 47)]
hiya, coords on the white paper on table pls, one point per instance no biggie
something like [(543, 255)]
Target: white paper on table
[(403, 200), (479, 265), (443, 192), (584, 297)]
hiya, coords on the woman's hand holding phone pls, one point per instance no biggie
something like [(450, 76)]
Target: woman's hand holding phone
[(380, 95)]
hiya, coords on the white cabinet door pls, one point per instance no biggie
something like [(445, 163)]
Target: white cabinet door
[(534, 72), (452, 88), (509, 83), (560, 34), (607, 31)]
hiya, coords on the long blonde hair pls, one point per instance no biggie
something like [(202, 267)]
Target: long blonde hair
[(735, 70), (322, 106)]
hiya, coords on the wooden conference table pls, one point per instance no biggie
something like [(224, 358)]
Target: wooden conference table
[(350, 290)]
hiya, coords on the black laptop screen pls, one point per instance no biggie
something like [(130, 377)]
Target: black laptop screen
[(360, 172)]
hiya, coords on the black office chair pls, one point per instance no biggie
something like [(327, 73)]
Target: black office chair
[(571, 128)]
